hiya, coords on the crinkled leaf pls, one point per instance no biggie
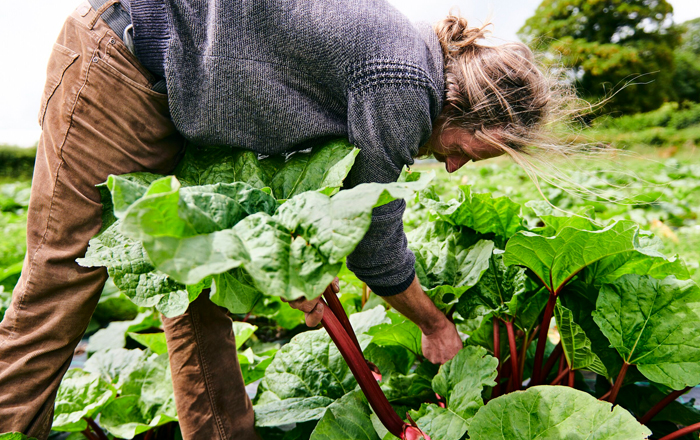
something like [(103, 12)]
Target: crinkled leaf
[(81, 394), (132, 272), (576, 345), (346, 418), (210, 165), (654, 324), (233, 290), (462, 379), (308, 367), (114, 364), (448, 261), (480, 212), (324, 167), (369, 319), (440, 423), (547, 412), (146, 400), (555, 260)]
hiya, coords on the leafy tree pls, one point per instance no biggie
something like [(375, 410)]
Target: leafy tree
[(607, 43), (686, 81)]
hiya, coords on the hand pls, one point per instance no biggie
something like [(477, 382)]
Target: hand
[(443, 344), (313, 308)]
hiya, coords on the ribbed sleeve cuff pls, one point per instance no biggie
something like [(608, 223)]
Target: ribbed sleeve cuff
[(393, 290), (151, 33)]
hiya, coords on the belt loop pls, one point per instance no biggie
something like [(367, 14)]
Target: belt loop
[(101, 11)]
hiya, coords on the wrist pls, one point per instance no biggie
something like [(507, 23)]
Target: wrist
[(438, 324)]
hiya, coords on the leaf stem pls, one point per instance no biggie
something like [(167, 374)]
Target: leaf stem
[(561, 375), (497, 354), (572, 377), (682, 432), (365, 294), (334, 303), (527, 340), (513, 356), (551, 360), (358, 365), (662, 404), (95, 427), (149, 434), (542, 340), (618, 382)]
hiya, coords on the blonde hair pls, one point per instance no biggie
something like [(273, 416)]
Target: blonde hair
[(510, 100)]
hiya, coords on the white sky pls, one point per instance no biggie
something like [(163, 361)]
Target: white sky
[(27, 35)]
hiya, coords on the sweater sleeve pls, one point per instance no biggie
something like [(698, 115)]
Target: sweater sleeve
[(387, 121)]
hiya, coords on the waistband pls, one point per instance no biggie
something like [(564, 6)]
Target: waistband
[(118, 17)]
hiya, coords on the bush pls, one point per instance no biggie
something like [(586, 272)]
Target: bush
[(16, 162)]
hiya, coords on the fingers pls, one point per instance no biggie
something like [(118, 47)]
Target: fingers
[(303, 304), (335, 285), (313, 318)]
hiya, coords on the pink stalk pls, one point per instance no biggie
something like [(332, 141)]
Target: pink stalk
[(663, 403), (682, 432), (334, 303), (513, 355), (358, 365), (572, 376), (542, 340), (497, 354)]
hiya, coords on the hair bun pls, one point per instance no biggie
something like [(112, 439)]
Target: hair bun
[(455, 35)]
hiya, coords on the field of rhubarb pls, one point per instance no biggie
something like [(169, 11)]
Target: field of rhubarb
[(578, 323)]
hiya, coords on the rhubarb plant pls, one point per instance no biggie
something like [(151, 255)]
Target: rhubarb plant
[(251, 232)]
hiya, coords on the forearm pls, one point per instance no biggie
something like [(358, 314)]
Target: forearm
[(415, 305)]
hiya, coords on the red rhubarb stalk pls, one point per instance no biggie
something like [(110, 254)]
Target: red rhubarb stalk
[(682, 432), (551, 360), (663, 403), (561, 375), (334, 303), (618, 382), (571, 378), (356, 361), (513, 355), (497, 354), (542, 340), (87, 433)]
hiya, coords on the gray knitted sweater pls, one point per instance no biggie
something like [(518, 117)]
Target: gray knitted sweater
[(273, 76)]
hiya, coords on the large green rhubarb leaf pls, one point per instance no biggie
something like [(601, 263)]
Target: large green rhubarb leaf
[(555, 260), (114, 364), (132, 272), (210, 165), (576, 345), (448, 261), (146, 399), (546, 412), (461, 381), (347, 418), (15, 436), (481, 212), (81, 394), (306, 376), (654, 324), (400, 332), (324, 167)]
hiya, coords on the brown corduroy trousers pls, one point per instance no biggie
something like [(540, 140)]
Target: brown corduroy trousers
[(99, 116)]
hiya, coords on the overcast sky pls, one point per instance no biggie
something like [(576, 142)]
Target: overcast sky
[(27, 32)]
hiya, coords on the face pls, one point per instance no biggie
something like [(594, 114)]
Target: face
[(455, 147)]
